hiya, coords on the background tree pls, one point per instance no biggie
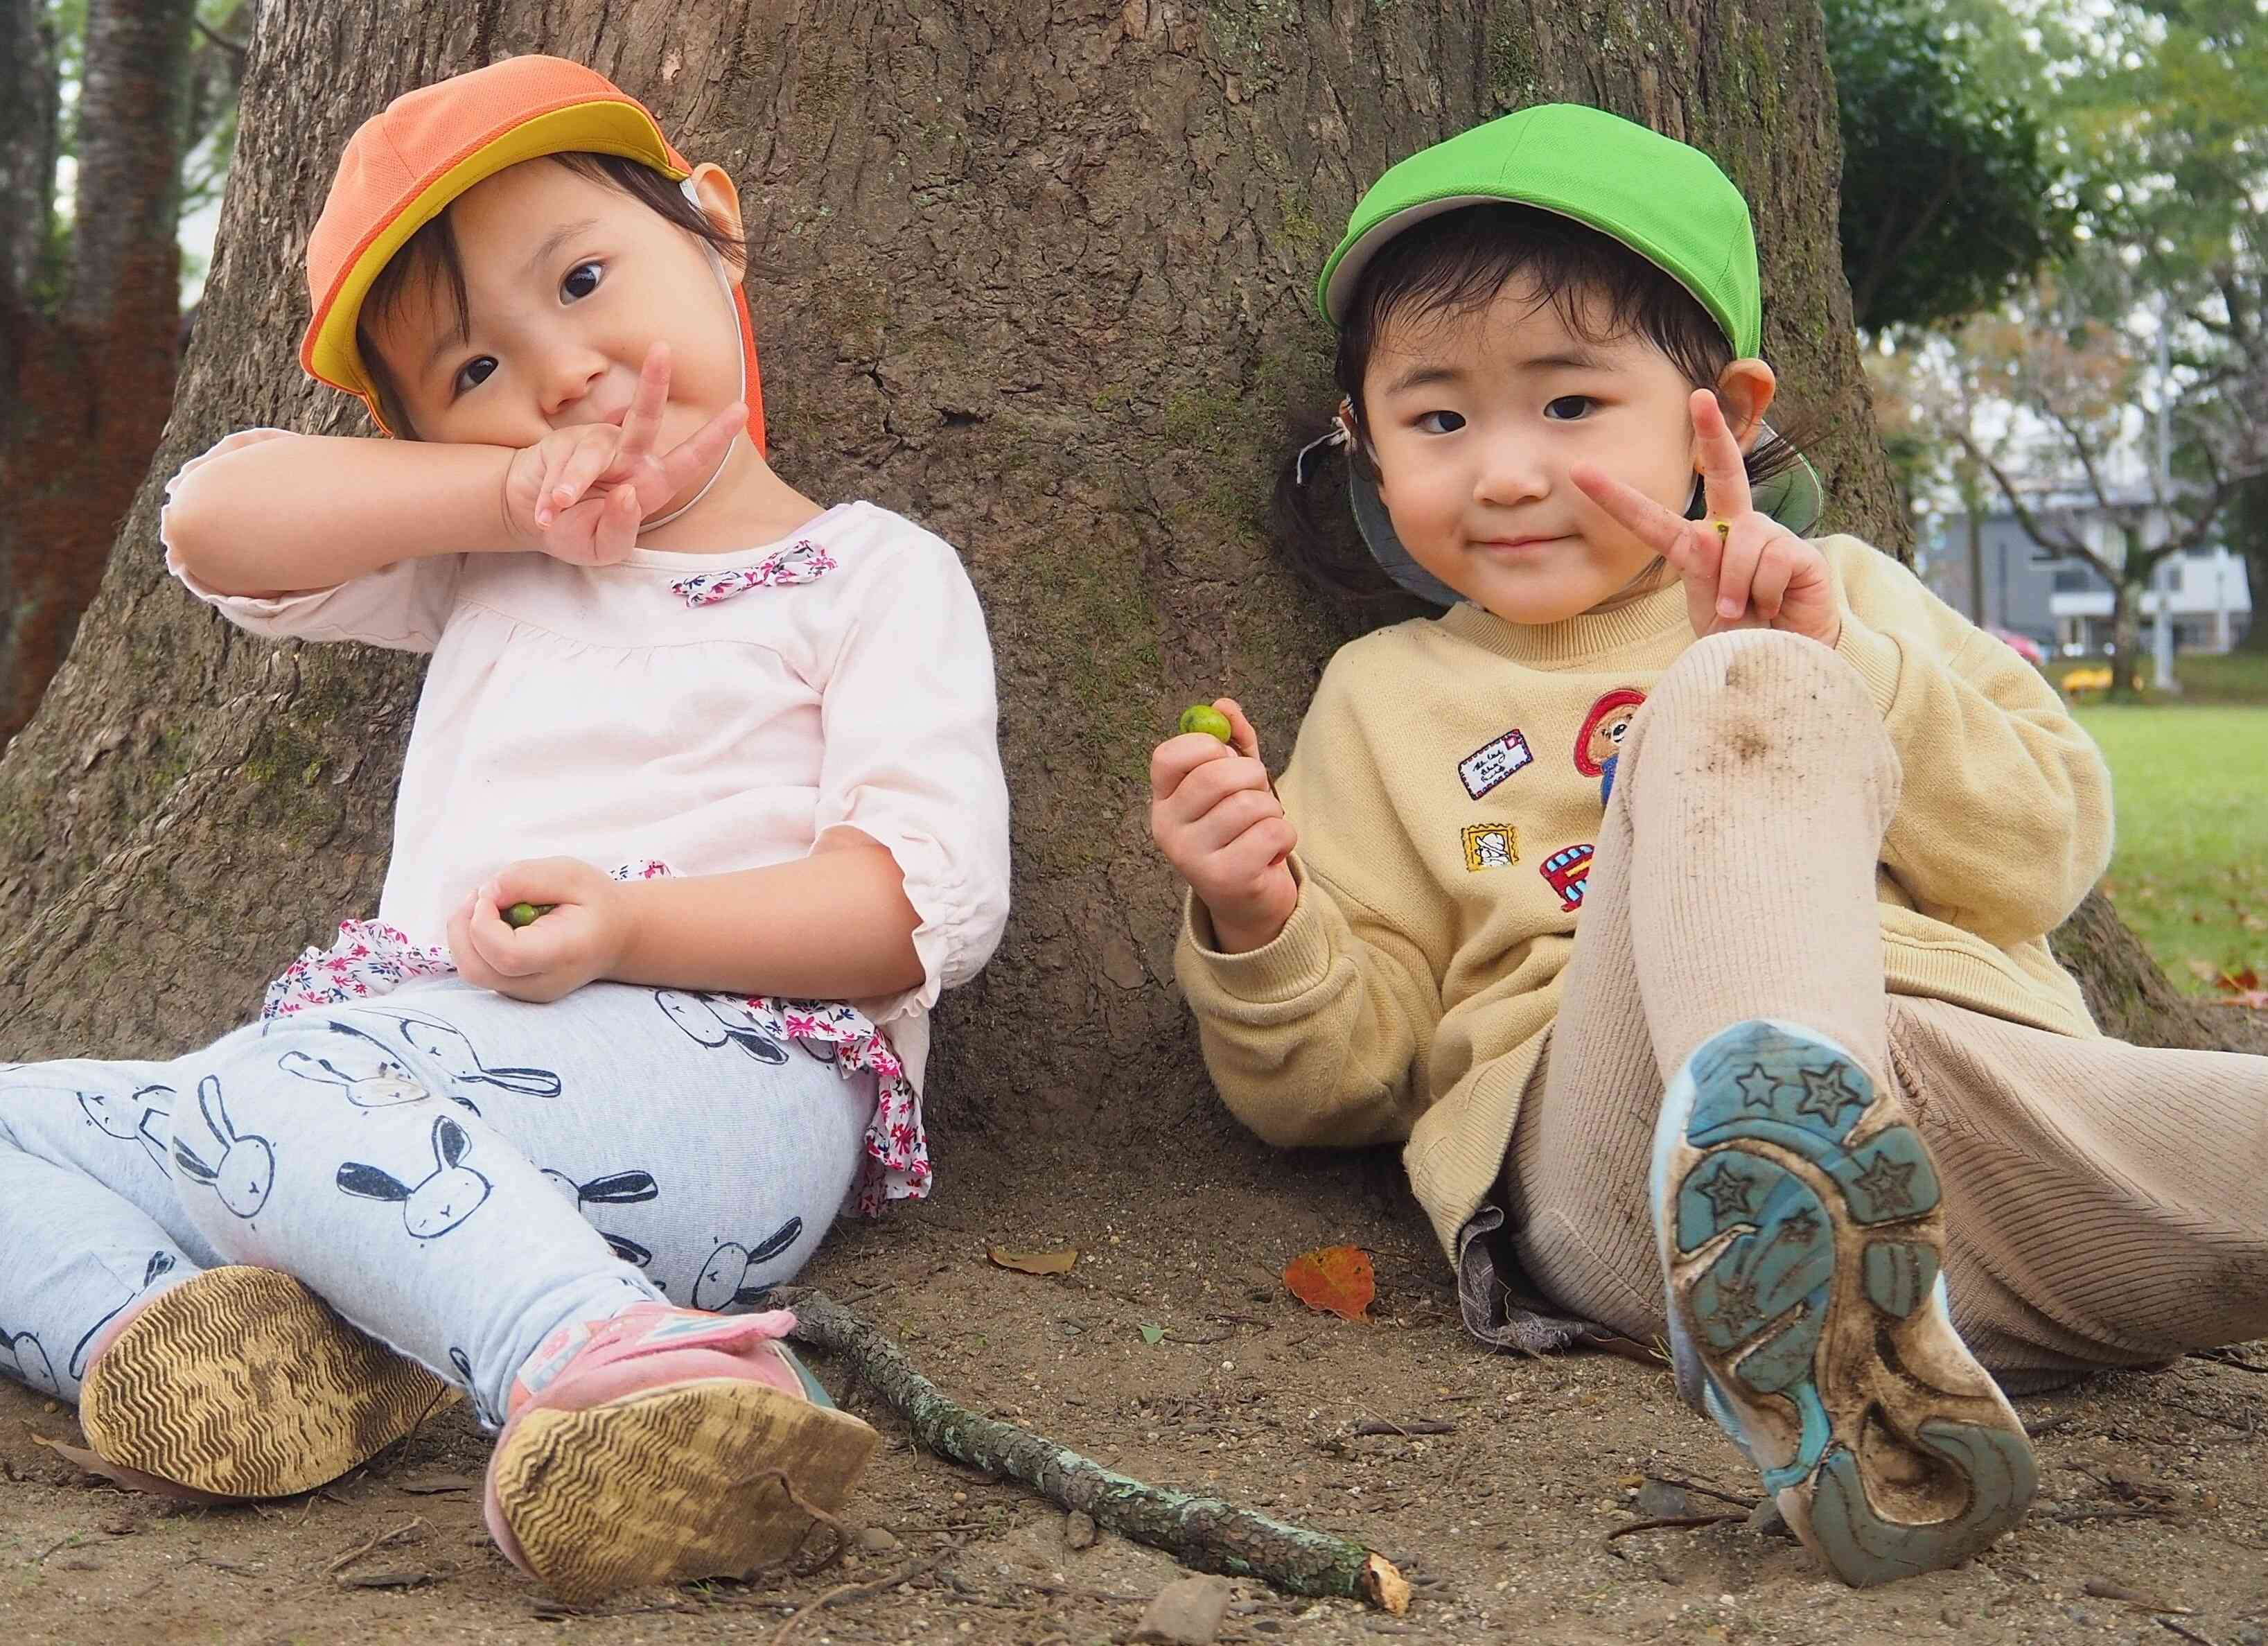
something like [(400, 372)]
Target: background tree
[(90, 313), (1950, 197), (2172, 98), (2090, 398), (1038, 277)]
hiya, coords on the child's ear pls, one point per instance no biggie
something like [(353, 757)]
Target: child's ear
[(720, 203), (1745, 390)]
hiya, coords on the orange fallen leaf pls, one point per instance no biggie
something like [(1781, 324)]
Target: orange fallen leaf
[(1336, 1280), (1036, 1262)]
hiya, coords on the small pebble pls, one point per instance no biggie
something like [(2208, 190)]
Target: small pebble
[(1766, 1521), (1187, 1612), (1080, 1530), (878, 1539)]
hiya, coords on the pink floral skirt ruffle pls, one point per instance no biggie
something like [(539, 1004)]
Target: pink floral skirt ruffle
[(370, 958)]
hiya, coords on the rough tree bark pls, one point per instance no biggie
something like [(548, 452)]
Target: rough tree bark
[(87, 350), (1036, 276)]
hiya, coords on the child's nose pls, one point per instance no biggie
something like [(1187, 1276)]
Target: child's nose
[(1509, 472), (568, 376)]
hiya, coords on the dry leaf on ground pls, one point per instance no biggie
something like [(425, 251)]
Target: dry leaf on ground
[(1336, 1280), (1037, 1262)]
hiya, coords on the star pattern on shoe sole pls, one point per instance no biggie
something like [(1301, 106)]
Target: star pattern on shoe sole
[(1756, 1088), (1728, 1192), (1827, 1093), (1888, 1184)]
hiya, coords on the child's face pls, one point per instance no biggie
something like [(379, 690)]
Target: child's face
[(1475, 418), (570, 282)]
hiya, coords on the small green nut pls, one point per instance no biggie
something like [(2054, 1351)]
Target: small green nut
[(522, 914), (1202, 717)]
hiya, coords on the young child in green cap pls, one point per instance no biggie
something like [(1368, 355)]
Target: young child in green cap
[(1678, 898)]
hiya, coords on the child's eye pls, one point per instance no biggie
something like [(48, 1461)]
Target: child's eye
[(1439, 421), (473, 373), (1568, 408), (581, 281)]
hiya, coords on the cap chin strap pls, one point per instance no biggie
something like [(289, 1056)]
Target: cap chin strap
[(725, 284)]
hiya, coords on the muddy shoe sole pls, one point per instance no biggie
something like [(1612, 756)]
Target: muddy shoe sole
[(1802, 1233), (241, 1382), (671, 1484)]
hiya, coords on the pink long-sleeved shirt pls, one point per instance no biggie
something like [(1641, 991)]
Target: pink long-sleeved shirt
[(596, 713)]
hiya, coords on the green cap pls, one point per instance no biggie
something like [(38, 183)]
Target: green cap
[(1665, 200)]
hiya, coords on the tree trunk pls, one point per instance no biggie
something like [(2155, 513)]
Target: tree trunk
[(87, 374), (1974, 514), (2126, 628), (2247, 535), (1037, 277)]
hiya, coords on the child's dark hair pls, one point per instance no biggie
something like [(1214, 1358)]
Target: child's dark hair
[(432, 253), (1459, 261)]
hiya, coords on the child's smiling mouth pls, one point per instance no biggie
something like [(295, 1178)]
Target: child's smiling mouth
[(1516, 546)]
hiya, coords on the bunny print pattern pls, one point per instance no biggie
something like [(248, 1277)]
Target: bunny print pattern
[(456, 1173)]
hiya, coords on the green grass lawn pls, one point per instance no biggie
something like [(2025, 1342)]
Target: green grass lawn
[(2235, 677), (2190, 873)]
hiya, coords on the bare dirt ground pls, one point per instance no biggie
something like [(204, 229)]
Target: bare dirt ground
[(2152, 1527)]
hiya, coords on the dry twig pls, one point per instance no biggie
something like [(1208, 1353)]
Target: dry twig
[(1202, 1532), (1686, 1521), (849, 1591)]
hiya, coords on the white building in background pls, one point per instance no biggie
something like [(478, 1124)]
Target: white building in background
[(2066, 604)]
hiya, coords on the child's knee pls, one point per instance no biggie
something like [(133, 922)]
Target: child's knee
[(1762, 699)]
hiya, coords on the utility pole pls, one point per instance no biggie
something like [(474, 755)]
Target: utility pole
[(2162, 647)]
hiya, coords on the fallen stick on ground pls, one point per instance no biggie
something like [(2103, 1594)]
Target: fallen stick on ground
[(1203, 1532)]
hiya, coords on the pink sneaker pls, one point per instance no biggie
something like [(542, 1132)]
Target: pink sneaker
[(650, 1448)]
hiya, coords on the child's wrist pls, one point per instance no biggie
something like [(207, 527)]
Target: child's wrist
[(1240, 934)]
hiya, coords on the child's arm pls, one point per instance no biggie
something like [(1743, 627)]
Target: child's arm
[(1312, 1009), (309, 512), (904, 892), (1314, 1038), (312, 512), (2004, 821), (835, 926)]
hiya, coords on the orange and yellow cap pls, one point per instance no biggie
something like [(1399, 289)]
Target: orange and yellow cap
[(405, 163)]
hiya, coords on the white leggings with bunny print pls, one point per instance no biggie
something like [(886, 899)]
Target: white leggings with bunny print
[(456, 1173)]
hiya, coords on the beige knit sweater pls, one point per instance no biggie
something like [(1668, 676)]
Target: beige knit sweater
[(1447, 786)]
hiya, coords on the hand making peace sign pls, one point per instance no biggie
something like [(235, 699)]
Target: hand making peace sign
[(581, 493), (1743, 569)]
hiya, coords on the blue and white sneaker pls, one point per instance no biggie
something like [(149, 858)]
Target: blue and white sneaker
[(1801, 1234)]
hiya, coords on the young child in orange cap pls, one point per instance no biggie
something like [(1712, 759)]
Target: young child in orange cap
[(702, 810)]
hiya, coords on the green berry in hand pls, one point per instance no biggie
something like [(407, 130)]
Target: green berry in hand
[(1202, 717), (522, 914)]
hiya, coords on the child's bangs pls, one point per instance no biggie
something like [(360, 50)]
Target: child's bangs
[(428, 262), (1457, 263)]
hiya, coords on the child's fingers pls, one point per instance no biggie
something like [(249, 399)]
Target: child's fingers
[(615, 533), (1228, 821), (643, 421), (1724, 471), (580, 471), (1775, 569), (694, 459), (1259, 849), (1212, 782), (493, 940), (1171, 761), (1242, 734), (470, 965), (1652, 525), (1736, 568)]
